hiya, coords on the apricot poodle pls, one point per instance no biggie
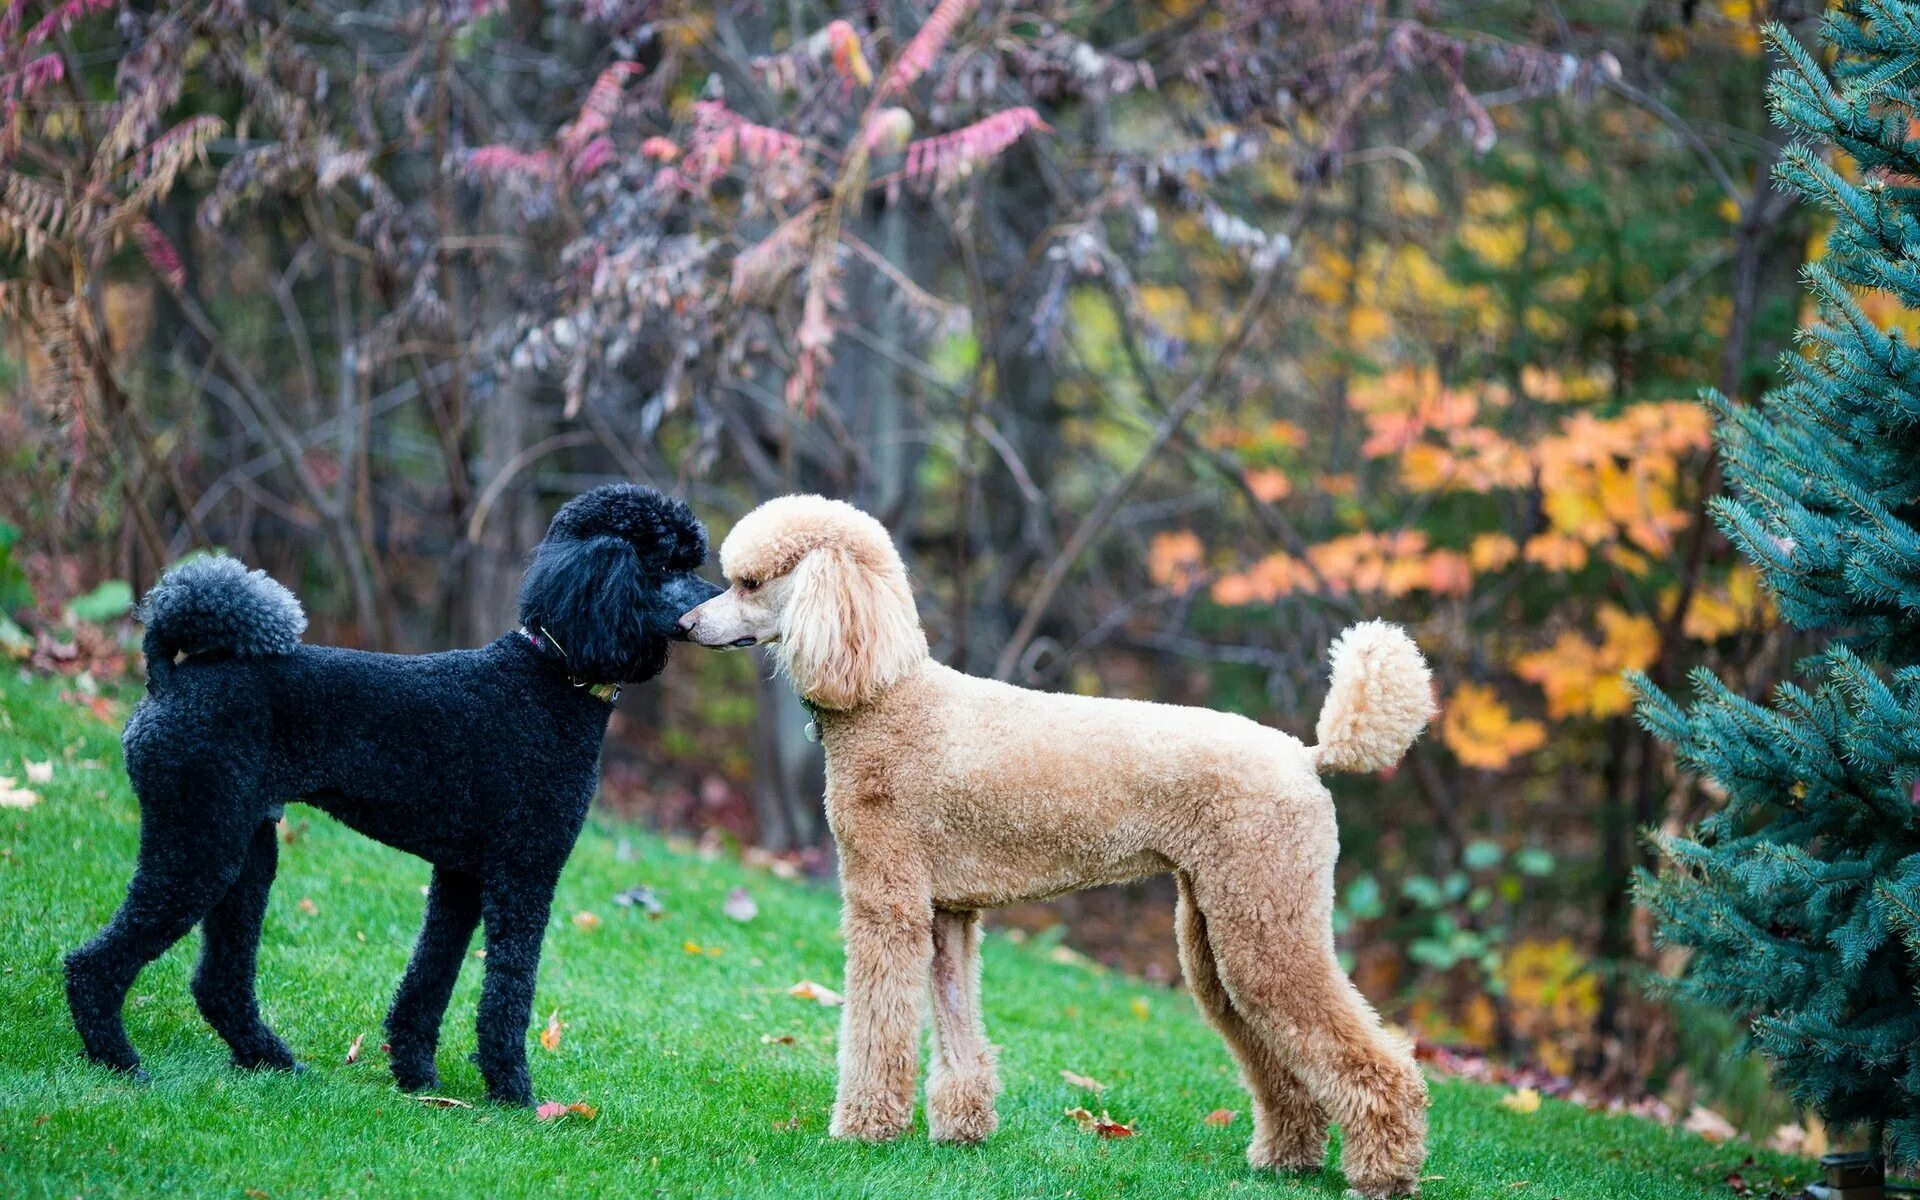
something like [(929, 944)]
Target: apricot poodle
[(950, 794)]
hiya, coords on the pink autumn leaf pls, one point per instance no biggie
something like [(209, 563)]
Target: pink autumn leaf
[(949, 157), (552, 1110), (927, 44)]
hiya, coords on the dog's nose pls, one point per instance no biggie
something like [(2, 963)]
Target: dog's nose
[(688, 621)]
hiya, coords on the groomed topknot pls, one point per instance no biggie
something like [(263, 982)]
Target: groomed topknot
[(661, 527)]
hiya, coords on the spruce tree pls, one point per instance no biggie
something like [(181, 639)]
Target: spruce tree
[(1800, 897)]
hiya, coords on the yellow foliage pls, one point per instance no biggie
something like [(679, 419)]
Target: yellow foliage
[(1481, 730), (1492, 551), (1740, 603), (1556, 552), (1581, 678)]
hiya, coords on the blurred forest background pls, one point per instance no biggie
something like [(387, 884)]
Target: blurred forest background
[(1170, 337)]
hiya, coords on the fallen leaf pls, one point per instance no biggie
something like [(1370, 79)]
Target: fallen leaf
[(586, 922), (692, 947), (782, 1039), (807, 989), (439, 1101), (254, 1194), (1709, 1124), (38, 772), (353, 1049), (1219, 1116), (550, 1036), (16, 797), (1102, 1126), (1083, 1081), (308, 906), (1141, 1008), (642, 898), (549, 1111), (740, 905), (1522, 1100)]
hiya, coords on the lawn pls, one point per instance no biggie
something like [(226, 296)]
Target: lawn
[(676, 1028)]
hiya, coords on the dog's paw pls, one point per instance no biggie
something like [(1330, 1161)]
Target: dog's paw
[(128, 1066), (1385, 1191), (274, 1057), (1301, 1151), (415, 1080), (879, 1120), (961, 1110)]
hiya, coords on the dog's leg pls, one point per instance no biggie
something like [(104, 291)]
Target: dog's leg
[(1269, 921), (961, 1083), (223, 984), (1289, 1129), (515, 908), (188, 860), (888, 925), (413, 1024)]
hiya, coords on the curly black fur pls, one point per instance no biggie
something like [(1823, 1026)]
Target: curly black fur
[(480, 761)]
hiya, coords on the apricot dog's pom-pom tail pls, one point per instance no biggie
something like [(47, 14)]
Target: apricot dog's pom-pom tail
[(1382, 697)]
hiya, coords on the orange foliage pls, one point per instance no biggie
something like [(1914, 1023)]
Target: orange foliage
[(1581, 678), (1481, 730)]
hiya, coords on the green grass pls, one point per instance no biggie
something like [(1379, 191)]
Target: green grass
[(667, 1043)]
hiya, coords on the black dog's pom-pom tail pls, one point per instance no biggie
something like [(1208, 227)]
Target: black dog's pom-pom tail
[(215, 604)]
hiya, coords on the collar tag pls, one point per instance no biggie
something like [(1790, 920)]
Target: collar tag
[(812, 731)]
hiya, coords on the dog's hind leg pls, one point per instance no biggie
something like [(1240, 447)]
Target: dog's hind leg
[(1289, 1129), (413, 1024), (514, 907), (962, 1082), (1267, 896), (888, 919), (223, 984), (189, 856)]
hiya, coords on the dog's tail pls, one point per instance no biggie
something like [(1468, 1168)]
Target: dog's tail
[(1382, 697), (214, 604)]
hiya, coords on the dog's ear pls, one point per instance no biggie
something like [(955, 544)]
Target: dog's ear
[(848, 630), (588, 596)]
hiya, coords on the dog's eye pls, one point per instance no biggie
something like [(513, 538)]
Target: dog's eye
[(749, 585)]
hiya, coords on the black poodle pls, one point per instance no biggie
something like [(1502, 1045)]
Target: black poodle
[(480, 761)]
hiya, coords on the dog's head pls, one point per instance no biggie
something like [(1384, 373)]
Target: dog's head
[(821, 581), (608, 584)]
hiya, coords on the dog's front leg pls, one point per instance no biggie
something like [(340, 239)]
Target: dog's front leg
[(514, 908), (413, 1023), (889, 932), (961, 1082)]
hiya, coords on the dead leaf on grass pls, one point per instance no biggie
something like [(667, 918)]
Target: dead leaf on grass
[(353, 1049), (16, 797), (807, 989), (550, 1036), (1083, 1081), (1524, 1100), (1102, 1126), (1219, 1116)]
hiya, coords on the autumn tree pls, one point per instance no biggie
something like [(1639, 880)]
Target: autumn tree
[(1800, 896)]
